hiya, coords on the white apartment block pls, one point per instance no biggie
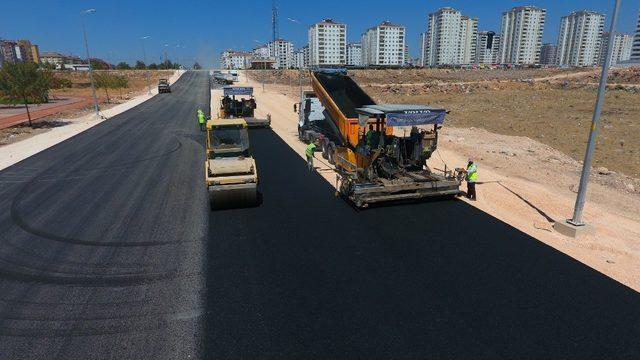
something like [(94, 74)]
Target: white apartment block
[(327, 43), (622, 44), (282, 51), (261, 52), (579, 38), (230, 59), (521, 35), (635, 50), (307, 56), (298, 59), (384, 45), (354, 54), (451, 38), (468, 40), (423, 49), (488, 45)]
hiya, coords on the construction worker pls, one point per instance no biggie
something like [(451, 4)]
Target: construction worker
[(373, 137), (472, 178), (201, 119), (309, 151)]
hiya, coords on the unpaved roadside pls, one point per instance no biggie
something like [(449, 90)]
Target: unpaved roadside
[(29, 146), (522, 190)]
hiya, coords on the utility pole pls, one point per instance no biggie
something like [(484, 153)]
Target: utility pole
[(96, 107), (576, 221), (144, 55)]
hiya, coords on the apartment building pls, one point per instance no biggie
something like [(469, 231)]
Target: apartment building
[(327, 43), (521, 35), (635, 49), (622, 44), (298, 59), (235, 60), (548, 54), (488, 44), (579, 38), (57, 59), (451, 38), (8, 50), (261, 52), (384, 45), (354, 54), (423, 49), (282, 51)]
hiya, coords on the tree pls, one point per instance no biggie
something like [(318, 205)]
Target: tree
[(140, 65), (24, 83), (99, 64), (108, 81), (197, 66), (123, 66), (152, 66)]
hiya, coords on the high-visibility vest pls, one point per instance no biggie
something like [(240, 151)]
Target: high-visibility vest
[(311, 148), (200, 117), (472, 173)]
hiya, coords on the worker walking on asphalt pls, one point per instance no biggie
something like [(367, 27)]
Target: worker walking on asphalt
[(472, 178), (201, 119), (309, 151)]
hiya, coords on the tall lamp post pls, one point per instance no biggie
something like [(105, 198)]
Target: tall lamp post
[(573, 225), (96, 107), (144, 55)]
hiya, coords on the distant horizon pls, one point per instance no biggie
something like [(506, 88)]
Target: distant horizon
[(192, 32)]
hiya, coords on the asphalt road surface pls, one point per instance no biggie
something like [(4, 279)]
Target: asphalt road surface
[(108, 250)]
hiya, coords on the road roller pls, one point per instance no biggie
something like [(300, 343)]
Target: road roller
[(231, 175)]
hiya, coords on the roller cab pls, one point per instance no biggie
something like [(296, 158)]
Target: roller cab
[(239, 102), (231, 175)]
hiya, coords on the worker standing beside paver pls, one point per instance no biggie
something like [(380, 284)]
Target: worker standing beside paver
[(201, 119), (309, 151), (472, 178)]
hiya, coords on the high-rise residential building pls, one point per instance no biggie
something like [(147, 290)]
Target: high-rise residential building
[(235, 60), (487, 47), (261, 52), (451, 38), (298, 59), (635, 50), (307, 56), (579, 38), (354, 54), (384, 45), (35, 53), (27, 51), (8, 49), (548, 54), (327, 43), (282, 51), (622, 44), (521, 35), (423, 49)]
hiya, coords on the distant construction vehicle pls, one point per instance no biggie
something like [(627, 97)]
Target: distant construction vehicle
[(231, 175), (238, 102), (373, 161), (220, 78), (163, 86)]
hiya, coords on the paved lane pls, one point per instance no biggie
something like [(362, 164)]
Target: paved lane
[(102, 238), (305, 276)]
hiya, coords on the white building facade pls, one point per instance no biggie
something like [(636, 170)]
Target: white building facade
[(231, 60), (521, 35), (451, 39), (622, 44), (282, 51), (327, 43), (635, 49), (384, 45), (579, 39), (354, 54), (487, 47)]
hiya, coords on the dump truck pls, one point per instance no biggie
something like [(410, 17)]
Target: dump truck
[(231, 175), (163, 86), (380, 151), (239, 102)]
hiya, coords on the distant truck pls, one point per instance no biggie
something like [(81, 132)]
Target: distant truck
[(221, 78), (234, 75), (163, 86)]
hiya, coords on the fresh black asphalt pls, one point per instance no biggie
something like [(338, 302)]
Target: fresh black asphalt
[(108, 250)]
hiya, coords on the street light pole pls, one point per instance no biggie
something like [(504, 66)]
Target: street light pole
[(588, 158), (144, 55), (96, 107)]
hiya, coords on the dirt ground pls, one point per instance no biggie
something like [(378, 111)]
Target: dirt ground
[(137, 83), (524, 182)]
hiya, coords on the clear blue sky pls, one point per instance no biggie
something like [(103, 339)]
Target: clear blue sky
[(199, 30)]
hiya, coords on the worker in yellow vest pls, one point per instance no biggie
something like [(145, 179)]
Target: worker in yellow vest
[(472, 178), (309, 151), (201, 119)]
